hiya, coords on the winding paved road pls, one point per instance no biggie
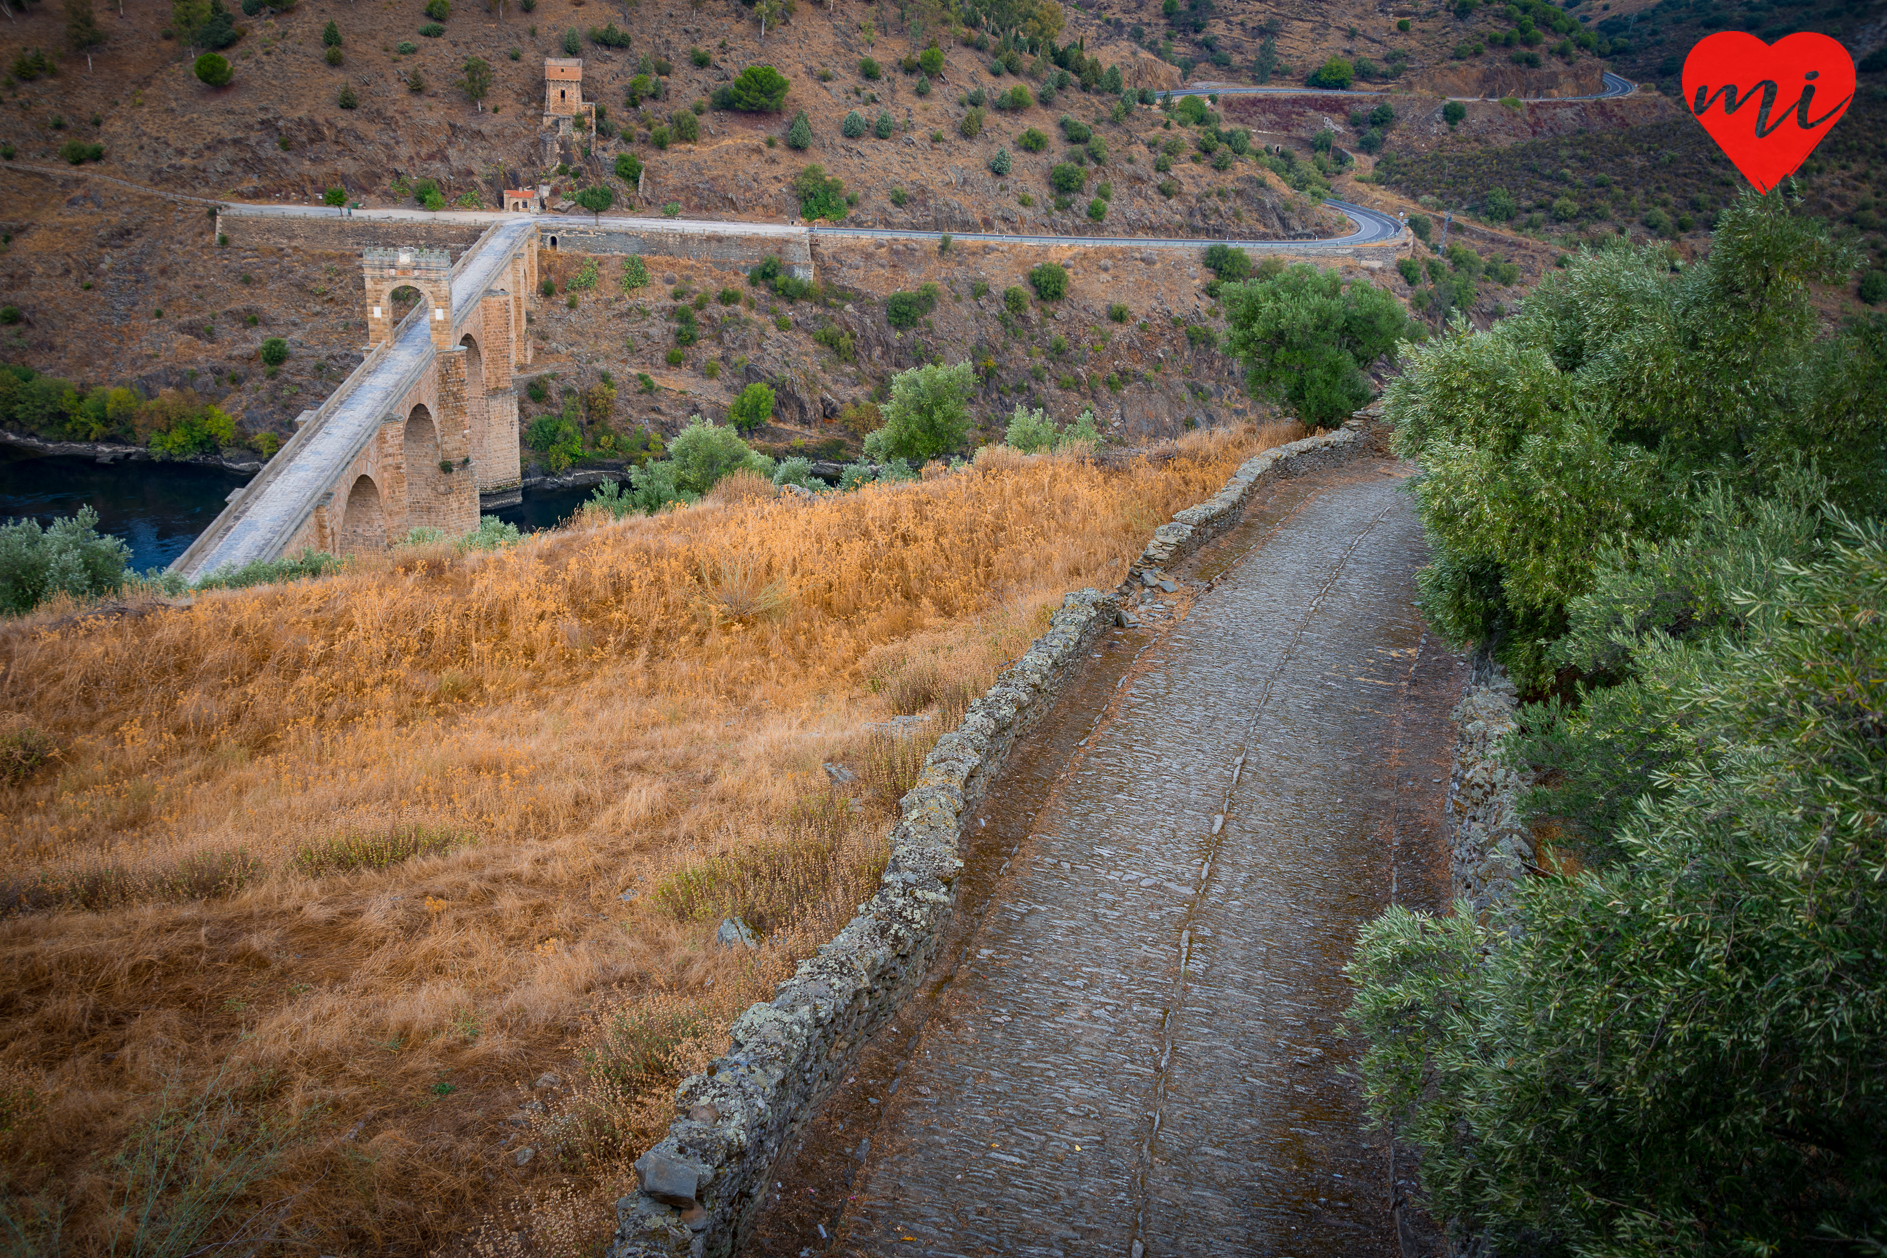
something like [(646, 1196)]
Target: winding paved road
[(1614, 86), (1372, 227), (1134, 1052)]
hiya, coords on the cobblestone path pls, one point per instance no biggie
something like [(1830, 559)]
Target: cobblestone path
[(1133, 1051)]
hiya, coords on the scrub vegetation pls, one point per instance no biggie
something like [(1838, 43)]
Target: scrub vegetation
[(1658, 498), (312, 880)]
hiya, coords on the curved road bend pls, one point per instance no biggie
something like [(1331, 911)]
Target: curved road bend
[(1131, 1052)]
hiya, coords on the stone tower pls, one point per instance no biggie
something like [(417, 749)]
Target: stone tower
[(563, 94)]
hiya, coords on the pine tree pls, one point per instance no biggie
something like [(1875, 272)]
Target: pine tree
[(799, 135), (331, 35), (1000, 164)]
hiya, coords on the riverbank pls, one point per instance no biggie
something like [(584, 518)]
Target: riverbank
[(109, 452)]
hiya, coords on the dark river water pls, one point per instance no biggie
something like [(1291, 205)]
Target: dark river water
[(159, 508)]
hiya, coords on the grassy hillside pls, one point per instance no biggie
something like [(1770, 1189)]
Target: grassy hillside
[(342, 867)]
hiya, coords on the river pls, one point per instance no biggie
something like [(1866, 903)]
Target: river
[(159, 508)]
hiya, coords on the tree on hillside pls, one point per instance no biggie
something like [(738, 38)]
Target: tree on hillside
[(1305, 337), (928, 413), (752, 409), (186, 18), (1335, 73), (768, 12), (757, 90), (476, 83), (596, 199), (83, 33), (213, 69)]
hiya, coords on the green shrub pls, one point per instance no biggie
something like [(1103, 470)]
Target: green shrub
[(1031, 141), (68, 556), (1228, 262), (799, 134), (432, 30), (885, 125), (701, 58), (928, 414), (347, 97), (78, 152), (274, 351), (1050, 281), (1336, 73), (971, 125), (1067, 177), (931, 61), (758, 89), (1305, 338), (1015, 299), (1873, 287), (903, 310), (820, 196), (1118, 312), (334, 56), (1097, 209), (23, 753), (700, 455), (1679, 404), (1076, 132), (1453, 112), (869, 69), (628, 168), (1029, 431), (212, 69), (753, 409)]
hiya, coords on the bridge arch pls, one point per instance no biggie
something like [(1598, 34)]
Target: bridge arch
[(427, 483), (363, 519)]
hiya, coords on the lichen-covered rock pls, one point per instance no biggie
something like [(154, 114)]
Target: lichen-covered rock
[(1491, 849)]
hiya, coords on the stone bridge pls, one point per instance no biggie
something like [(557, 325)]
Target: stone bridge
[(427, 422)]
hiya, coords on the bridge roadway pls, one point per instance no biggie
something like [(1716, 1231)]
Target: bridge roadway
[(1131, 1043)]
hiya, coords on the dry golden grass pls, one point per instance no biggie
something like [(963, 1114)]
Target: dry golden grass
[(348, 857)]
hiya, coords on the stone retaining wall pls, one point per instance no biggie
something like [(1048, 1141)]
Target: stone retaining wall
[(1490, 848), (727, 250), (344, 235), (702, 1184)]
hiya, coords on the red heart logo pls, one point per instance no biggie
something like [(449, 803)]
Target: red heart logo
[(1768, 105)]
